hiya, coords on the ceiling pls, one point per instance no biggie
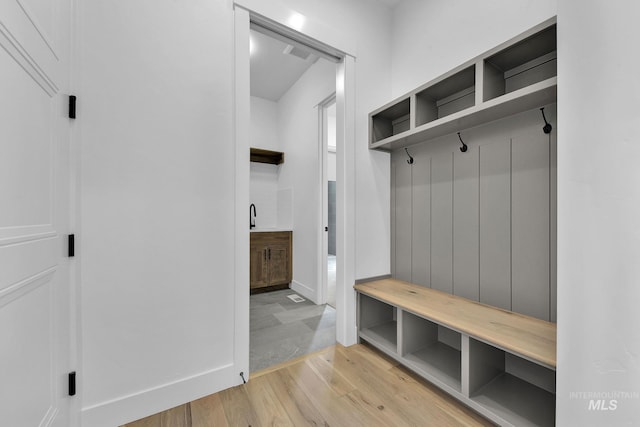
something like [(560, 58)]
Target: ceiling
[(273, 71)]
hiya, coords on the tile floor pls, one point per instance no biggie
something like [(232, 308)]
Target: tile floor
[(282, 329)]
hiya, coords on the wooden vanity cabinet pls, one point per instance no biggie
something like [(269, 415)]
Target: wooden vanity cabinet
[(271, 261)]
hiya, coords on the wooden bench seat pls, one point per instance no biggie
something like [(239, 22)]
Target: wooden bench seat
[(529, 337)]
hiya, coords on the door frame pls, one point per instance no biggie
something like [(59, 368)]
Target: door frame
[(274, 16), (323, 236)]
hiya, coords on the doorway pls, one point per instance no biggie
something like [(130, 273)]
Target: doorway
[(287, 82), (328, 149), (274, 17)]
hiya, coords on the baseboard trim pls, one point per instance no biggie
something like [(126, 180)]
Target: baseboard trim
[(305, 291), (139, 405)]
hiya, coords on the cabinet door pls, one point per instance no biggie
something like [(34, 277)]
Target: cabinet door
[(259, 273), (279, 264)]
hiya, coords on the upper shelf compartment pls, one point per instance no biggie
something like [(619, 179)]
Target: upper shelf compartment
[(390, 121), (448, 96), (522, 64), (516, 76), (259, 155)]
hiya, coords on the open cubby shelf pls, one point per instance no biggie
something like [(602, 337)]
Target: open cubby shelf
[(517, 401), (500, 363), (438, 360), (516, 76), (383, 335), (378, 321), (391, 121)]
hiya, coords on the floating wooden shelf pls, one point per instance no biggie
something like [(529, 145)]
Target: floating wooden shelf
[(517, 76), (259, 155)]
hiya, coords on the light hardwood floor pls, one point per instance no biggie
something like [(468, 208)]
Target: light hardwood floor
[(338, 386)]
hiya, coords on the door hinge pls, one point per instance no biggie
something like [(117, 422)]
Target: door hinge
[(72, 383), (72, 246), (72, 106)]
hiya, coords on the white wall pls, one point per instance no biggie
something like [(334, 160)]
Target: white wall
[(432, 37), (264, 194), (365, 25), (598, 211), (264, 124), (331, 166), (156, 206), (298, 130), (331, 142), (264, 177)]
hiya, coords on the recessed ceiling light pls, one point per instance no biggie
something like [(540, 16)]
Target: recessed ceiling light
[(296, 21)]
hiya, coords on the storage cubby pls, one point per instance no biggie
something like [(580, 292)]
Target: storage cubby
[(500, 363), (522, 64), (516, 76), (517, 390), (378, 323), (431, 350), (391, 121), (452, 94)]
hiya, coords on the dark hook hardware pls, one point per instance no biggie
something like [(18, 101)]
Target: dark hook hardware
[(410, 161), (242, 376), (547, 126), (464, 146)]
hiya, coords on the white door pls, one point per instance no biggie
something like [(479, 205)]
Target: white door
[(35, 310)]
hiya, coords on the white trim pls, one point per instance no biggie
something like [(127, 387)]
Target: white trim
[(274, 11), (17, 237), (35, 70), (242, 110), (157, 399), (323, 219), (304, 290), (346, 333), (23, 287)]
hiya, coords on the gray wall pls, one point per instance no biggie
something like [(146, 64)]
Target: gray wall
[(332, 217), (481, 224)]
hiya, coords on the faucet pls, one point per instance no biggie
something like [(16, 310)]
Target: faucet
[(252, 218)]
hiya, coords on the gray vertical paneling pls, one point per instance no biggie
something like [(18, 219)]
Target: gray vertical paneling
[(553, 224), (442, 222), (481, 224), (466, 259), (403, 219), (393, 214), (331, 196), (495, 224), (421, 217), (530, 224)]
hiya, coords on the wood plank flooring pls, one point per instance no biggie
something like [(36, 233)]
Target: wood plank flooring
[(338, 386)]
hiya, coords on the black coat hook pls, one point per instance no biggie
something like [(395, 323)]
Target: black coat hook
[(547, 126), (464, 146), (410, 161)]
